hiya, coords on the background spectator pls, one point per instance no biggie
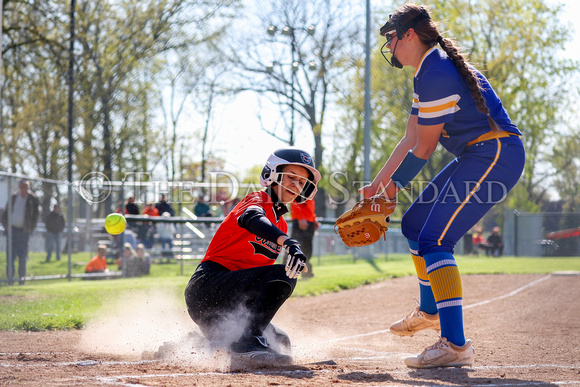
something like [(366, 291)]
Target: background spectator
[(150, 210), (479, 243), (23, 219), (166, 231), (201, 208), (304, 224), (131, 207), (495, 242), (98, 264), (143, 259), (54, 223), (147, 229), (162, 206), (130, 261)]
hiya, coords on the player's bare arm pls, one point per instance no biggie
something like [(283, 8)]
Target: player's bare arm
[(406, 143), (427, 139)]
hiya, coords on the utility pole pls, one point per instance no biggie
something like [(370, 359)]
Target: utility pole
[(291, 32), (70, 135), (366, 250)]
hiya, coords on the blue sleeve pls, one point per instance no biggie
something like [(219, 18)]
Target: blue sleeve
[(437, 96)]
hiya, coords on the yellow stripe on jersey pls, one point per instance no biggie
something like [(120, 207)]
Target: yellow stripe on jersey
[(433, 109), (440, 101), (420, 267), (473, 191), (440, 107), (446, 283)]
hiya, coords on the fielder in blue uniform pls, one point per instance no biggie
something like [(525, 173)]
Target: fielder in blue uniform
[(453, 104)]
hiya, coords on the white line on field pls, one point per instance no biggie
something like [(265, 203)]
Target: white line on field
[(533, 283), (571, 367), (357, 336)]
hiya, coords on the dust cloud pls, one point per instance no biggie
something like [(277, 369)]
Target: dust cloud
[(136, 322), (149, 324)]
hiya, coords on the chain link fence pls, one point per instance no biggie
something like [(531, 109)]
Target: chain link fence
[(524, 234), (541, 234)]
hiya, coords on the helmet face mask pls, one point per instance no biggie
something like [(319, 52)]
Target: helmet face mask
[(308, 191), (390, 30), (272, 171)]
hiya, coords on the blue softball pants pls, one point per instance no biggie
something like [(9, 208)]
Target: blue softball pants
[(457, 198), (462, 193)]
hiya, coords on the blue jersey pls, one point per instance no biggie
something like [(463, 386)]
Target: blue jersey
[(441, 95)]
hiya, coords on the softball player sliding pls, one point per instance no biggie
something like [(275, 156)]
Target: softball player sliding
[(453, 104), (238, 269)]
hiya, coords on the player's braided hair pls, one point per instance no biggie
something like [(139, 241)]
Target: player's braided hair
[(428, 33)]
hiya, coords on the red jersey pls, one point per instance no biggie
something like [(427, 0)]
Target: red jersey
[(477, 239), (235, 247), (303, 210)]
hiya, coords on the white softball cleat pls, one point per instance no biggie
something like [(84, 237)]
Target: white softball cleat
[(443, 354)]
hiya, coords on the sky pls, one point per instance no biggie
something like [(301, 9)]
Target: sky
[(570, 14), (240, 140)]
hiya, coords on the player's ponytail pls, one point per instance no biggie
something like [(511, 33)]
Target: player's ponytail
[(428, 33), (469, 75)]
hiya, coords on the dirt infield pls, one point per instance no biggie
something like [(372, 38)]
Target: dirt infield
[(525, 330)]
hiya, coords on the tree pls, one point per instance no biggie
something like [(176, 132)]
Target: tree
[(327, 48), (33, 93), (196, 80), (517, 55), (265, 66), (30, 83), (114, 44), (565, 159), (184, 74)]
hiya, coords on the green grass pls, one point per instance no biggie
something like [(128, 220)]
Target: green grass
[(37, 265), (60, 304), (63, 305)]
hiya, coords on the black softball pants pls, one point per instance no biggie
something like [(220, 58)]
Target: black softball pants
[(214, 292)]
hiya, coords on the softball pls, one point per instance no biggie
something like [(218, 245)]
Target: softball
[(115, 224)]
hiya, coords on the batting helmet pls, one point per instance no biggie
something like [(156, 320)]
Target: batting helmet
[(272, 171)]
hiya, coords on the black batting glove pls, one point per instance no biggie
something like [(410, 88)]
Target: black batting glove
[(296, 258)]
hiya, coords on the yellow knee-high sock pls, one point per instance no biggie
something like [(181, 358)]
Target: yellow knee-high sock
[(427, 303)]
